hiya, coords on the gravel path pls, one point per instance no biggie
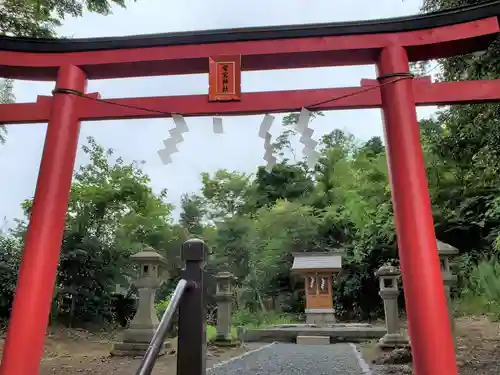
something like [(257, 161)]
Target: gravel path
[(292, 359)]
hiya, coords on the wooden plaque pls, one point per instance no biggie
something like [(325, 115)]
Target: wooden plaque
[(224, 77)]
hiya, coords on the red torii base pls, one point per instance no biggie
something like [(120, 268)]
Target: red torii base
[(390, 44)]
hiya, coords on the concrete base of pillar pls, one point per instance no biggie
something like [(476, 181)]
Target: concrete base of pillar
[(320, 317), (393, 341)]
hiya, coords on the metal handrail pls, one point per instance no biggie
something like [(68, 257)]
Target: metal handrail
[(149, 360)]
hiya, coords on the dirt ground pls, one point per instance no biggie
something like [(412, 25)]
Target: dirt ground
[(71, 352), (477, 347)]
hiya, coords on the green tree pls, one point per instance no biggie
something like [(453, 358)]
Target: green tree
[(226, 193), (192, 214), (10, 257), (40, 19), (284, 181), (6, 96), (112, 213), (231, 247), (277, 232)]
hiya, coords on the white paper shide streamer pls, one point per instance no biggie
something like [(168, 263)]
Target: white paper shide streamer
[(265, 126), (176, 137), (302, 127), (217, 125)]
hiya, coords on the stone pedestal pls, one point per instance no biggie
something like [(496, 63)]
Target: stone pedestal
[(446, 252), (223, 319), (136, 339), (320, 317), (224, 298), (389, 291)]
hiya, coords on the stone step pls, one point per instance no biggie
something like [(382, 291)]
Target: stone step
[(313, 340)]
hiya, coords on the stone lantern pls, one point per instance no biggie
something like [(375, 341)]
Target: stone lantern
[(446, 252), (142, 327), (389, 291), (224, 297)]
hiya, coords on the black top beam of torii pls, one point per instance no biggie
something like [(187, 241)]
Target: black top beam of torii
[(378, 26)]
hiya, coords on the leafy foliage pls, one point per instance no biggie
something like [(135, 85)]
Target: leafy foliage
[(40, 19), (10, 256), (6, 96), (112, 213)]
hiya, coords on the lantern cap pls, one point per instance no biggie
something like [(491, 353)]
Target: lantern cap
[(446, 249), (148, 255), (224, 275), (388, 271)]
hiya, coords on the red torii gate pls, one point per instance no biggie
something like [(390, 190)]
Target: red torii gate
[(390, 44)]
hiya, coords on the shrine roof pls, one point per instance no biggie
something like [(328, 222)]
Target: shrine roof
[(377, 26), (317, 261)]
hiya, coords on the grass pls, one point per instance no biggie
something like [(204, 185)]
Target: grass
[(251, 320), (469, 305), (482, 294), (212, 333)]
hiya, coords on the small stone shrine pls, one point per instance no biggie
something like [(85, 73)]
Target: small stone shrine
[(318, 271), (389, 291), (224, 297), (137, 337)]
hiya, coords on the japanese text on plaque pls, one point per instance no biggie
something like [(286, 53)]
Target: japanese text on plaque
[(226, 81)]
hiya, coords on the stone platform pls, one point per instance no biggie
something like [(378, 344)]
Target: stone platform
[(313, 340), (348, 332)]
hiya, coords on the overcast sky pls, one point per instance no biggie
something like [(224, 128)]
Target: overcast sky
[(239, 148)]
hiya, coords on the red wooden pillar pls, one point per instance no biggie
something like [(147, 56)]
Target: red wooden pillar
[(28, 323), (430, 334)]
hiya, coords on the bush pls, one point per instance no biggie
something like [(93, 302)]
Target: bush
[(161, 306), (482, 292), (10, 258)]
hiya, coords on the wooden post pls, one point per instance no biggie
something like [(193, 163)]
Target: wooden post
[(192, 345)]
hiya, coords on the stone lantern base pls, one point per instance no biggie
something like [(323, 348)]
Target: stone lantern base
[(135, 343), (320, 317), (393, 341), (226, 341)]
